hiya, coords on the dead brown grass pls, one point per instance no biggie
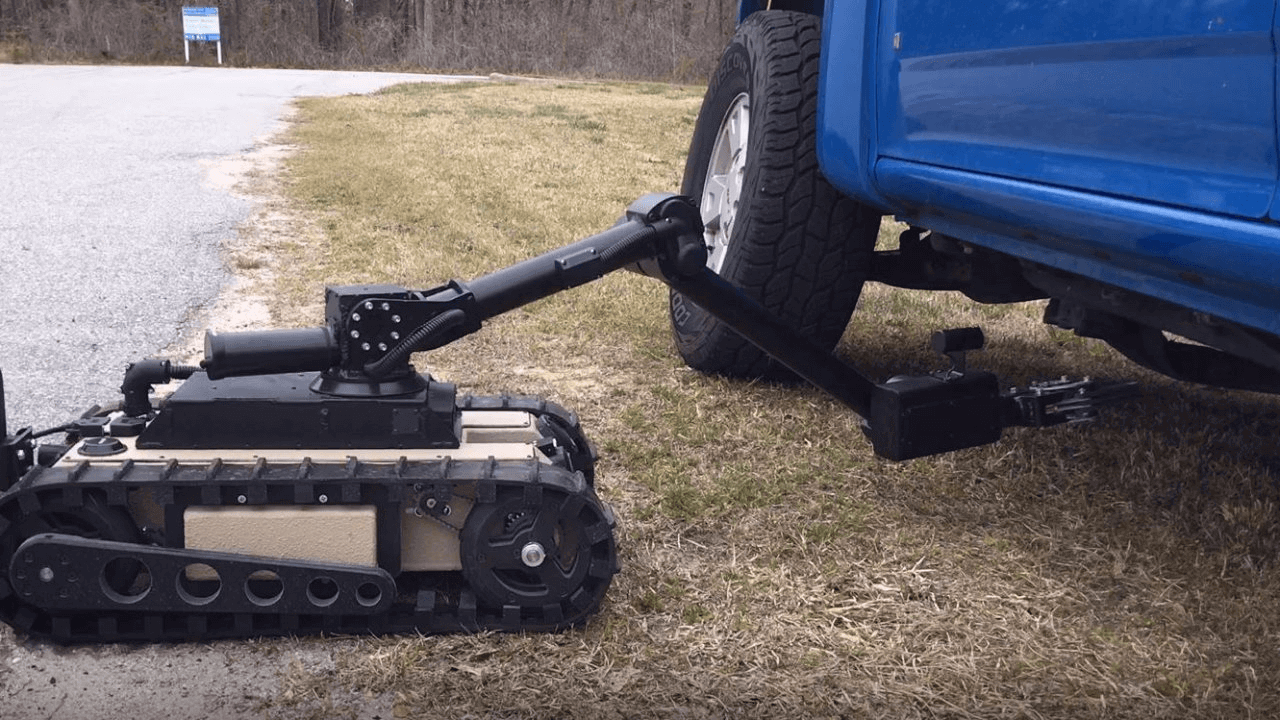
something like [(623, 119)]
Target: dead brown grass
[(773, 567)]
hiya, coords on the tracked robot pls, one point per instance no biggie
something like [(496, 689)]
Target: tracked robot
[(313, 481)]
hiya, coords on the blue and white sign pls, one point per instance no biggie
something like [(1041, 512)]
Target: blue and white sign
[(201, 23)]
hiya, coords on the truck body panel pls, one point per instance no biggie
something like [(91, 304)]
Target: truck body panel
[(1171, 106), (1131, 143)]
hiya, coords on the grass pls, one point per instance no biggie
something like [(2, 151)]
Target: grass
[(772, 566)]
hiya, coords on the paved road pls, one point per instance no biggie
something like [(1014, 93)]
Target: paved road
[(108, 237)]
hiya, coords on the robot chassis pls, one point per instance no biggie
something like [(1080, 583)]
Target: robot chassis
[(312, 481)]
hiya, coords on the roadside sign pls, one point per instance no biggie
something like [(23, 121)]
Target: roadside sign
[(200, 24)]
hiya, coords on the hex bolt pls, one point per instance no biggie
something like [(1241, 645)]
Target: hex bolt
[(386, 307), (395, 318), (355, 317), (532, 554), (242, 499), (355, 334), (395, 335), (382, 347), (368, 305), (323, 499), (46, 574)]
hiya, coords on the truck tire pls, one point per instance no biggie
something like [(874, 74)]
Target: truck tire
[(774, 226)]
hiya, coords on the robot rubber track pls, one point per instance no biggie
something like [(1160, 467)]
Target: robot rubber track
[(83, 572)]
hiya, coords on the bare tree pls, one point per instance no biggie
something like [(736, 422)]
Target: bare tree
[(677, 40), (365, 9), (330, 17)]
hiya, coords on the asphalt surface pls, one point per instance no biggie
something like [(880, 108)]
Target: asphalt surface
[(109, 238)]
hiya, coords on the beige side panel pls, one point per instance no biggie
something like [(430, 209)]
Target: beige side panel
[(426, 544), (504, 435), (496, 419), (326, 534), (504, 450)]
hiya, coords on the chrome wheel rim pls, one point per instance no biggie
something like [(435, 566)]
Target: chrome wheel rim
[(722, 189)]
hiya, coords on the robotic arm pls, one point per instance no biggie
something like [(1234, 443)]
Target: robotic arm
[(371, 331)]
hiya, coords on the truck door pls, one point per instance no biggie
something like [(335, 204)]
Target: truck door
[(1168, 101)]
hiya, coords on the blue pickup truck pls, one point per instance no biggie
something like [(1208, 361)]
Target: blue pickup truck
[(1117, 159)]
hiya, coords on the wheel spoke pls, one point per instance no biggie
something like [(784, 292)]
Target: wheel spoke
[(713, 201), (504, 555), (544, 530), (739, 125), (558, 582)]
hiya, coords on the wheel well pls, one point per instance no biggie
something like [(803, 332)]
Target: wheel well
[(810, 7)]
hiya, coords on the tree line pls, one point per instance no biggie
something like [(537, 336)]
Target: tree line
[(669, 40)]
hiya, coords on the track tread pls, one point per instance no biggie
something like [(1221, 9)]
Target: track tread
[(438, 608)]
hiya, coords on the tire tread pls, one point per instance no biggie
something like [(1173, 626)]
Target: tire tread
[(800, 247)]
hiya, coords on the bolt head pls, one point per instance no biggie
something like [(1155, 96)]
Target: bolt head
[(533, 554)]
